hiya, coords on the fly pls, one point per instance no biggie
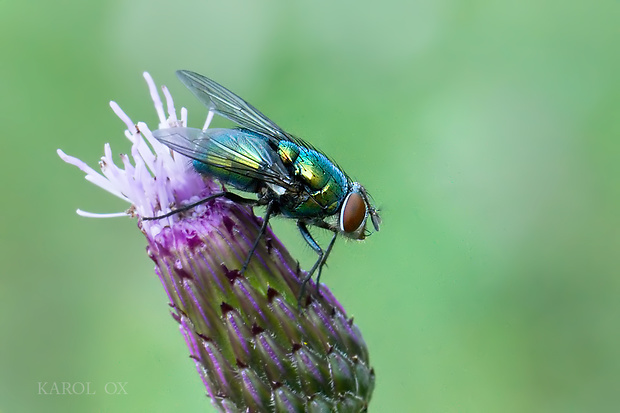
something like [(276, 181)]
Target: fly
[(289, 176)]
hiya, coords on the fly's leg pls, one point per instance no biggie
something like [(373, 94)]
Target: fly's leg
[(323, 255), (228, 195), (235, 198), (261, 232)]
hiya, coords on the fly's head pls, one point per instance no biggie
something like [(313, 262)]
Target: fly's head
[(356, 208)]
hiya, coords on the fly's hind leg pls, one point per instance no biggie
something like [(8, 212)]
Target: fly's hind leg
[(235, 198), (261, 232), (186, 207), (228, 195)]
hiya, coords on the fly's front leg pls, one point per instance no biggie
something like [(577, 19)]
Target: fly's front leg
[(323, 255)]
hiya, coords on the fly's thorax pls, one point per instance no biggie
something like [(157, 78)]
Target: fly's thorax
[(309, 166), (288, 152), (323, 185)]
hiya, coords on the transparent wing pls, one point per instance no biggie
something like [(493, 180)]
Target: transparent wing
[(230, 106), (232, 150)]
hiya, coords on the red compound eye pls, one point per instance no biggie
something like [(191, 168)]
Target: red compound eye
[(353, 212)]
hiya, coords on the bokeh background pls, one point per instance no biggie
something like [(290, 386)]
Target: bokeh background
[(488, 133)]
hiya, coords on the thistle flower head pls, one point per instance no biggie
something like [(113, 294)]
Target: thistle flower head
[(254, 349)]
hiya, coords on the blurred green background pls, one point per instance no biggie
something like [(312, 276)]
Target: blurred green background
[(487, 132)]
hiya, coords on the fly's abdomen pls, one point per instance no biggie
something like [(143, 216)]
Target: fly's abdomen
[(236, 157), (238, 181), (324, 183)]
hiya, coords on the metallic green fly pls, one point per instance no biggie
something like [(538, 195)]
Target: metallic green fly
[(289, 176)]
